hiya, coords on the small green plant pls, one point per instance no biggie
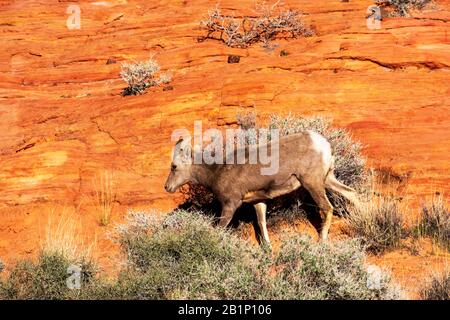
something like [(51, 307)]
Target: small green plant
[(434, 221), (438, 288), (140, 76), (378, 223)]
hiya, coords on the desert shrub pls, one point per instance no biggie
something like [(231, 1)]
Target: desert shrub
[(403, 7), (269, 23), (378, 223), (434, 221), (2, 265), (45, 279), (182, 256), (142, 75), (438, 288), (310, 270)]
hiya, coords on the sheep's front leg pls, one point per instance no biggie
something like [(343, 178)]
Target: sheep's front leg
[(228, 210)]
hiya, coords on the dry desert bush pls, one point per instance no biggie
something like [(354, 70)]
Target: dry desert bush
[(269, 22), (438, 286), (402, 8), (64, 236), (142, 75)]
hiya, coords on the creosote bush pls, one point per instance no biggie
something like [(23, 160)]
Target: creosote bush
[(142, 75), (438, 288), (270, 22), (434, 221), (378, 223), (183, 256)]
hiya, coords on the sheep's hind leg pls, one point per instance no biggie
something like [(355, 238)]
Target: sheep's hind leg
[(261, 209)]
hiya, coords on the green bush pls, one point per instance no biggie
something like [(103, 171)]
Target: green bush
[(45, 279), (309, 270), (182, 256)]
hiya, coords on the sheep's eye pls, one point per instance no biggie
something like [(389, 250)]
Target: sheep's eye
[(173, 167)]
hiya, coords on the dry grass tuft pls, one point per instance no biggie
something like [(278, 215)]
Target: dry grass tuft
[(434, 221), (438, 287), (378, 222), (64, 236), (105, 195)]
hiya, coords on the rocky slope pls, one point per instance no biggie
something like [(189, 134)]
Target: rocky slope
[(65, 122)]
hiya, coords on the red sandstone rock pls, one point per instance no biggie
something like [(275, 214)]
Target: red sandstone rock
[(64, 120)]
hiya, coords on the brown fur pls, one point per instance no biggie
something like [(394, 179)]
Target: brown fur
[(301, 163)]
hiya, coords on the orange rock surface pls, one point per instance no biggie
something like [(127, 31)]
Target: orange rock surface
[(64, 120)]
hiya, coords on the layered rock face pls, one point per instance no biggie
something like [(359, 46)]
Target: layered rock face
[(64, 120)]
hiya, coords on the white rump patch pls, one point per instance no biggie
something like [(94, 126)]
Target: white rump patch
[(322, 146)]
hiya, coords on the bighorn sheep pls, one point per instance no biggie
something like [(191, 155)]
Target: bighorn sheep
[(305, 159)]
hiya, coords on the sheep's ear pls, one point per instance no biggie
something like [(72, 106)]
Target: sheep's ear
[(187, 152)]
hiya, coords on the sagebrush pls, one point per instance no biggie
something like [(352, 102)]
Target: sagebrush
[(183, 256), (46, 278)]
